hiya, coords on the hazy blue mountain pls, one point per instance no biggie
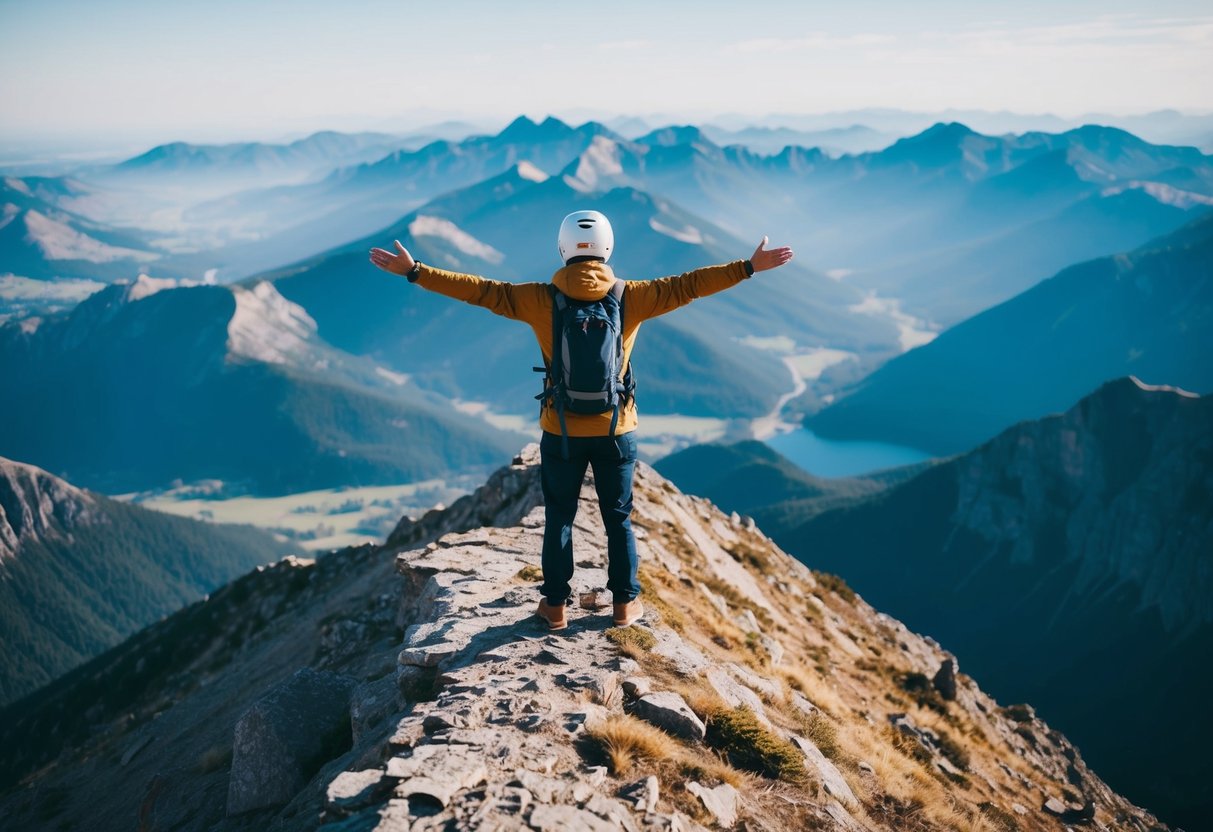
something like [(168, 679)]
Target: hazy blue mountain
[(253, 162), (752, 478), (691, 362), (749, 476), (908, 220), (41, 239), (935, 210), (80, 572), (1148, 312), (855, 138), (1066, 562), (301, 220), (143, 384)]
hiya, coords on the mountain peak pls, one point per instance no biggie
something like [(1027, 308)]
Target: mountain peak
[(524, 130), (34, 504), (675, 135)]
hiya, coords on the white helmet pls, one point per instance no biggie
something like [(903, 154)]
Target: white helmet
[(585, 234)]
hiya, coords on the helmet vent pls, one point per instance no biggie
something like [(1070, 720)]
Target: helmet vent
[(586, 224)]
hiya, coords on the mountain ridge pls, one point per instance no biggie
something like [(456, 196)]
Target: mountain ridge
[(1065, 561), (460, 710), (1145, 312), (80, 572)]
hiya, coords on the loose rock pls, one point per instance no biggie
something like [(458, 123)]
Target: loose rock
[(670, 712), (286, 736), (721, 802)]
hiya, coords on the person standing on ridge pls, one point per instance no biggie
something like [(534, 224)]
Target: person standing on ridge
[(592, 317)]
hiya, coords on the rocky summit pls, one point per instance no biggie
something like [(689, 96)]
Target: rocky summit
[(411, 687)]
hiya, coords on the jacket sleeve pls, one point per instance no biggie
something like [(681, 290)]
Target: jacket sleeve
[(649, 298), (517, 301)]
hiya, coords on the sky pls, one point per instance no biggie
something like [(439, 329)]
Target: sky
[(260, 69)]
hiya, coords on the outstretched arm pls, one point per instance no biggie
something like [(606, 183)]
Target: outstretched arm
[(520, 302), (650, 298)]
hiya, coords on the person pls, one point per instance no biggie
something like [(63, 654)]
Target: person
[(572, 441)]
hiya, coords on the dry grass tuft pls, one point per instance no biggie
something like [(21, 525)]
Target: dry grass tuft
[(631, 637), (822, 732), (701, 698), (654, 591), (709, 771), (625, 739)]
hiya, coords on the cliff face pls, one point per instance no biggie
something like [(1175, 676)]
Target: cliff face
[(80, 572), (411, 687), (33, 504), (1067, 563)]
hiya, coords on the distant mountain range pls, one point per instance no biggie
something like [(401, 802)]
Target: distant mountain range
[(1066, 562), (150, 382), (1148, 312), (693, 362), (250, 163), (80, 572), (855, 138), (944, 208), (40, 239)]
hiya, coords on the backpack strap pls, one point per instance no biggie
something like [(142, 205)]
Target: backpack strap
[(556, 371), (617, 293)]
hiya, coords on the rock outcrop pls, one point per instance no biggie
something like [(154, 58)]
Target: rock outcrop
[(34, 504), (751, 692)]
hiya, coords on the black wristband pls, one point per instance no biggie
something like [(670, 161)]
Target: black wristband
[(411, 274), (749, 269)]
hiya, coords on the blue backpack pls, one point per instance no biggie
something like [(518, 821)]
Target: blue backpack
[(585, 374)]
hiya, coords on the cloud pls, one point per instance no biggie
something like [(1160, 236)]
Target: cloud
[(814, 41), (625, 45)]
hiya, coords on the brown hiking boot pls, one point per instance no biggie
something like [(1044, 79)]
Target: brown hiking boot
[(628, 613), (553, 615)]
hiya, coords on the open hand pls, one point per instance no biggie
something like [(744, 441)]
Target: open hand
[(762, 259), (401, 262)]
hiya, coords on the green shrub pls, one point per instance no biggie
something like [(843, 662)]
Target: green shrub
[(835, 584), (530, 573), (747, 744)]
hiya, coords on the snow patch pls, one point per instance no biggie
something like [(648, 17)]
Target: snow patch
[(1166, 194), (599, 161), (398, 379), (8, 213), (17, 185), (145, 286), (912, 332), (810, 365), (773, 343), (59, 241), (30, 325), (501, 421), (1163, 388), (424, 226), (686, 234), (268, 327), (531, 173)]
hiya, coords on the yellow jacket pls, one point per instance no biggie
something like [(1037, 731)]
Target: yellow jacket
[(531, 303)]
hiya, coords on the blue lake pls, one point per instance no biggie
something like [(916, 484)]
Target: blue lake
[(841, 458)]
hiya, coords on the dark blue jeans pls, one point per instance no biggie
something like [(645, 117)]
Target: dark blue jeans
[(613, 462)]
